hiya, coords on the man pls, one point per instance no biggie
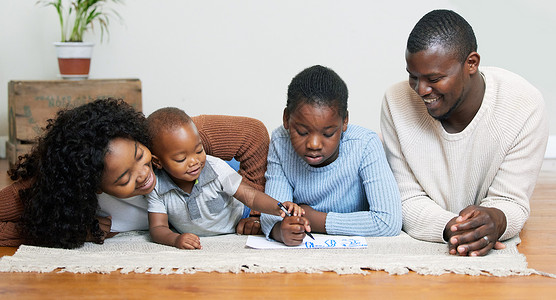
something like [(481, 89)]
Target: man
[(465, 144)]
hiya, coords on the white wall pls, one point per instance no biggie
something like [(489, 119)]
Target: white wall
[(237, 57)]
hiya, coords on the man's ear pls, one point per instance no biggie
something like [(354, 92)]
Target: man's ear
[(285, 119), (346, 121), (156, 162), (472, 63)]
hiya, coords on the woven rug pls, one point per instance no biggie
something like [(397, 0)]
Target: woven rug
[(135, 252)]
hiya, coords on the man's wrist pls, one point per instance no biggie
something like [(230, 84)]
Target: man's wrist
[(447, 234)]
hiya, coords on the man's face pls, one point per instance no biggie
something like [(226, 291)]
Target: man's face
[(439, 78)]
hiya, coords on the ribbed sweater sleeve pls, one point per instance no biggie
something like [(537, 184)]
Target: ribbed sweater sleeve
[(11, 209), (357, 191), (383, 217), (493, 162), (245, 139)]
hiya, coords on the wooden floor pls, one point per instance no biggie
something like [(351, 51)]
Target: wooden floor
[(537, 245)]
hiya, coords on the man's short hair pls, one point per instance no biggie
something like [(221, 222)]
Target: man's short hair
[(445, 28)]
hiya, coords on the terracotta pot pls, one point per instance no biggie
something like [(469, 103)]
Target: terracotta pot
[(74, 59)]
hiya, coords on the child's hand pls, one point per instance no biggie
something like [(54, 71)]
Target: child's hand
[(187, 241), (293, 209), (292, 230)]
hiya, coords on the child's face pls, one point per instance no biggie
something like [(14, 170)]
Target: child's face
[(315, 133), (180, 152), (127, 169)]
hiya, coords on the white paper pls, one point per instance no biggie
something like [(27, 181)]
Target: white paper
[(321, 241)]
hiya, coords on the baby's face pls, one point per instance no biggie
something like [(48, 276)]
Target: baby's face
[(315, 133), (180, 152)]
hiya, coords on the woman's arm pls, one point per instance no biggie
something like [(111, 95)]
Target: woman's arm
[(242, 138), (11, 208)]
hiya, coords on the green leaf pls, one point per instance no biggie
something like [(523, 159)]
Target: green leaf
[(80, 16)]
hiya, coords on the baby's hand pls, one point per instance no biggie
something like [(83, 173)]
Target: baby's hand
[(188, 241), (293, 209)]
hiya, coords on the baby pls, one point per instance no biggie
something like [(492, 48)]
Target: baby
[(196, 193)]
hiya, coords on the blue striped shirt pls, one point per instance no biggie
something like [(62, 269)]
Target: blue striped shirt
[(357, 190)]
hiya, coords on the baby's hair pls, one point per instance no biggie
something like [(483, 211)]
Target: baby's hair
[(166, 119), (318, 85), (443, 28)]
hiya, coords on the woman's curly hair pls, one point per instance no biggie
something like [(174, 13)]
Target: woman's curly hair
[(66, 168)]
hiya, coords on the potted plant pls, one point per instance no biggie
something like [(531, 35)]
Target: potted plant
[(76, 17)]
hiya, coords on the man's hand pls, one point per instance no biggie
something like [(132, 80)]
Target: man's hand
[(475, 231), (251, 225)]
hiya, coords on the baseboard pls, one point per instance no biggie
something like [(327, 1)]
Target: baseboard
[(551, 148), (3, 140), (549, 165)]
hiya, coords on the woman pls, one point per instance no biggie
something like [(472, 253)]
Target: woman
[(99, 146)]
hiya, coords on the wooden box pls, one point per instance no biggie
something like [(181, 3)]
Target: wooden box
[(31, 103)]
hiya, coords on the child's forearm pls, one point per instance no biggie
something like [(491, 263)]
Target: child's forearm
[(266, 204), (257, 200), (317, 219), (163, 235)]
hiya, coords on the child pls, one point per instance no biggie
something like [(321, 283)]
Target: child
[(195, 192), (336, 172)]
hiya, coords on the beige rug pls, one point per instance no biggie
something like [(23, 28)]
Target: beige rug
[(134, 252)]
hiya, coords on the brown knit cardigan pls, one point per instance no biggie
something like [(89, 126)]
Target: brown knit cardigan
[(245, 139)]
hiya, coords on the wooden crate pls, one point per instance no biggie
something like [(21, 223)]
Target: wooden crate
[(31, 103), (14, 151)]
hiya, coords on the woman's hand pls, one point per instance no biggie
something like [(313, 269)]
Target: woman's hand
[(251, 225), (105, 224)]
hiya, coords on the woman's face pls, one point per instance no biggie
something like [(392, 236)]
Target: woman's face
[(127, 169)]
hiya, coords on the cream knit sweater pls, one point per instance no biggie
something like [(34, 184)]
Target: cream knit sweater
[(493, 162)]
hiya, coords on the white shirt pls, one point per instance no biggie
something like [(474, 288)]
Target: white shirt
[(127, 214)]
